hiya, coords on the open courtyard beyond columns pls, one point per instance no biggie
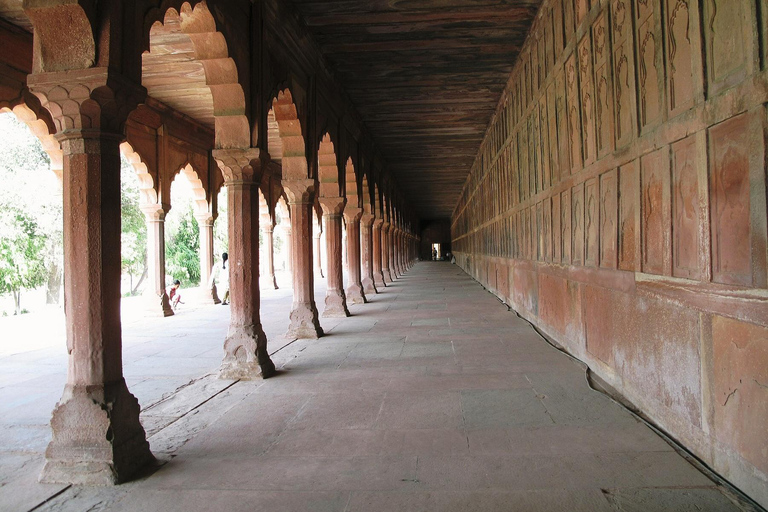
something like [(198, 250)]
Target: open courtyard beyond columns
[(431, 396)]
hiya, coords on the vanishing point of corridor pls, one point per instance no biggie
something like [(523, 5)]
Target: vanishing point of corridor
[(433, 396)]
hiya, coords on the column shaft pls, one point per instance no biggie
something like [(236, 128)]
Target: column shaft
[(157, 297), (97, 437), (245, 347), (366, 250), (304, 318), (376, 236), (335, 298), (269, 246), (385, 270), (355, 293)]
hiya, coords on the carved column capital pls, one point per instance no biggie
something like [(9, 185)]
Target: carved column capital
[(352, 214), (240, 165), (333, 205), (366, 220), (377, 223), (153, 212), (299, 191), (83, 100)]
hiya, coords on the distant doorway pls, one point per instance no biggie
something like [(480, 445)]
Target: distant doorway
[(437, 252)]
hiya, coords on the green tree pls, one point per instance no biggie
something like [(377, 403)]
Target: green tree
[(182, 248), (29, 186), (133, 240), (22, 253)]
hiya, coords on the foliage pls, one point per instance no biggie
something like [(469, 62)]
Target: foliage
[(220, 227), (133, 250), (182, 248), (31, 233), (22, 252)]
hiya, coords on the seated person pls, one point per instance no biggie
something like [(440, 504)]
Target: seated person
[(174, 295)]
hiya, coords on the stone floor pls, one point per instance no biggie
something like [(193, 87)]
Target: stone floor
[(431, 397)]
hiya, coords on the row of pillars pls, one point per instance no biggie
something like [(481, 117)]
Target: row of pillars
[(97, 437)]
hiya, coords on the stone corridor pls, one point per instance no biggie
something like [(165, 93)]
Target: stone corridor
[(433, 396)]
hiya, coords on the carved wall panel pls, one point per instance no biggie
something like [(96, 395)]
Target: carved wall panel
[(729, 43), (557, 250), (554, 155), (608, 219), (565, 226), (587, 101), (680, 55), (688, 207), (540, 232), (649, 64), (730, 201), (557, 28), (562, 126), (603, 87), (582, 8), (591, 221), (629, 217), (656, 224), (547, 229), (623, 72), (577, 224), (569, 19), (545, 151), (574, 115)]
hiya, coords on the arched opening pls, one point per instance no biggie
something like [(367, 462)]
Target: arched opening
[(283, 236), (182, 246), (31, 223), (188, 68)]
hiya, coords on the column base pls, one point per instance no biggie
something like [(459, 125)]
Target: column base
[(245, 355), (335, 305), (271, 283), (97, 437), (157, 306), (355, 294), (304, 323), (378, 279), (369, 287), (201, 295), (387, 276)]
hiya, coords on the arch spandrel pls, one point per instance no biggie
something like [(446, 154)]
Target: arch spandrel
[(40, 124)]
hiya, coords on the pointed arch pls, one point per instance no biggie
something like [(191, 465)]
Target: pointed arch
[(41, 126), (366, 197), (274, 142), (188, 67), (350, 182), (199, 196), (282, 210), (327, 168), (294, 160), (147, 186)]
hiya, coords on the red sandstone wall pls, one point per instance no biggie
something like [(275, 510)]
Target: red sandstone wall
[(619, 203)]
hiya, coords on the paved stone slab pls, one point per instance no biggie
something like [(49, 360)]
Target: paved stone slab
[(454, 406)]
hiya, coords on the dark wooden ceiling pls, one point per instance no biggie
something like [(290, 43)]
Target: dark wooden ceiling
[(426, 75)]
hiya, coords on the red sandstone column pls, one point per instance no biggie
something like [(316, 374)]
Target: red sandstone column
[(391, 242), (385, 270), (157, 298), (335, 299), (207, 295), (355, 294), (245, 347), (287, 250), (317, 253), (304, 318), (378, 274), (366, 244), (97, 437), (269, 248), (396, 251)]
